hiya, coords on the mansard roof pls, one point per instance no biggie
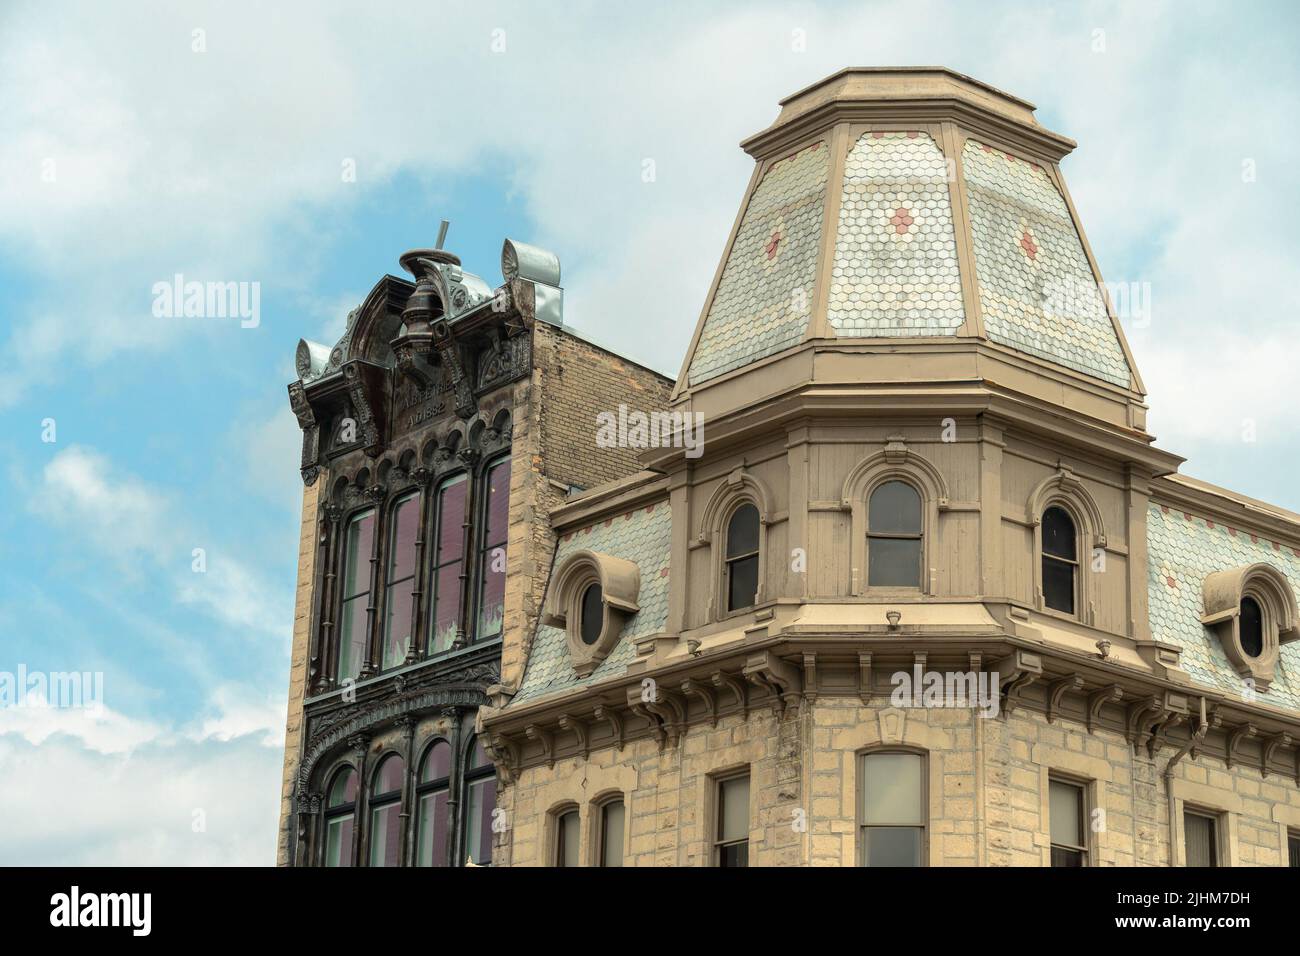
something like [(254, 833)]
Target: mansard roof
[(1187, 542), (640, 535), (920, 204)]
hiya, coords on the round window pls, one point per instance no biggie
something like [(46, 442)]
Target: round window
[(1252, 627), (593, 614)]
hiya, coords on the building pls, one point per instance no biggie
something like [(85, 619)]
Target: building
[(923, 591), (438, 434)]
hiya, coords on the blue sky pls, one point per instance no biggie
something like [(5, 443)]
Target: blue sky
[(525, 120)]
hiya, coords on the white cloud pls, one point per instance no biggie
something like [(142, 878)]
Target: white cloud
[(126, 519)]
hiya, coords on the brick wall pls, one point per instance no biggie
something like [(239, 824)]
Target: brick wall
[(554, 447)]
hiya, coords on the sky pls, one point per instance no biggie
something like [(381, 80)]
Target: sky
[(150, 528)]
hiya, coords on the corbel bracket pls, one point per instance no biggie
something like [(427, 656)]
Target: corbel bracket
[(693, 688), (864, 676), (737, 687), (546, 739), (1056, 692), (777, 676), (608, 713), (1269, 747), (1098, 699), (579, 727), (1016, 672), (1245, 731)]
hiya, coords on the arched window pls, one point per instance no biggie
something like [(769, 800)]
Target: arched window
[(613, 816), (480, 803), (399, 581), (358, 550), (894, 536), (340, 812), (742, 558), (431, 798), (448, 563), (568, 838), (593, 614), (492, 551), (385, 813), (1252, 627), (1060, 560)]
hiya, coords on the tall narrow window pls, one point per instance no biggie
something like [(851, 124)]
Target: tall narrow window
[(400, 580), (431, 800), (1066, 815), (1293, 848), (480, 804), (1060, 560), (340, 812), (1252, 627), (742, 558), (593, 614), (731, 842), (1200, 833), (385, 813), (892, 810), (612, 819), (894, 536), (492, 556), (567, 838), (448, 564), (358, 549)]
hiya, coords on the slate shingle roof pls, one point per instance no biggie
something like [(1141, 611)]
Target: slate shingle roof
[(1182, 549), (641, 536), (764, 297)]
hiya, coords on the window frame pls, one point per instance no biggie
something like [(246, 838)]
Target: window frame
[(437, 785), (729, 560), (329, 813), (469, 777), (1084, 788), (386, 567), (1074, 564), (482, 547), (602, 805), (340, 600), (435, 565), (557, 831), (859, 822), (919, 537), (379, 801), (717, 843), (1217, 833)]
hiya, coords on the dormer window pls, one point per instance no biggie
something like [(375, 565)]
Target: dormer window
[(590, 596), (1060, 561), (1252, 611)]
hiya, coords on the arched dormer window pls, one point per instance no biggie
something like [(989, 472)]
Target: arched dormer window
[(340, 817), (432, 796), (385, 812), (742, 558), (894, 499), (399, 581), (894, 536), (1069, 545), (734, 526), (1252, 610), (358, 552), (1060, 561)]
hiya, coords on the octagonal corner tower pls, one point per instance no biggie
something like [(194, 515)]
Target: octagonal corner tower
[(910, 226)]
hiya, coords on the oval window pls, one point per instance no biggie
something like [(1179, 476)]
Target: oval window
[(593, 614), (1252, 627)]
